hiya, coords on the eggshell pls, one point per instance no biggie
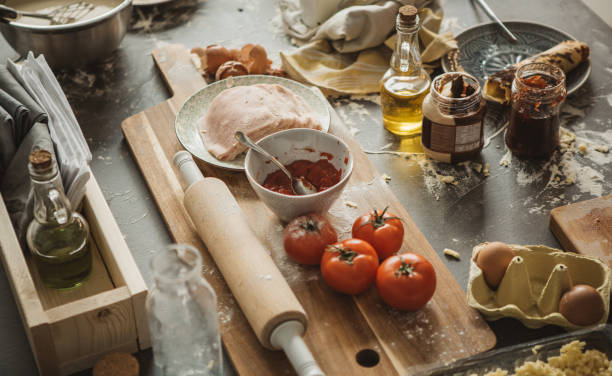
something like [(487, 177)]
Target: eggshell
[(215, 56), (582, 305), (255, 58), (494, 259)]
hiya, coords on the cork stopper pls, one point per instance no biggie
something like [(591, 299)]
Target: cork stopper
[(40, 159), (408, 14)]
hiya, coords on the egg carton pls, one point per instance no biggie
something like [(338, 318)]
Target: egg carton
[(533, 284)]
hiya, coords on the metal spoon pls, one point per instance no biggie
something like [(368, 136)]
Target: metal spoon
[(492, 15), (13, 14), (65, 14), (298, 185)]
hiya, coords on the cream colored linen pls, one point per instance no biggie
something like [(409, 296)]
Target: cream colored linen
[(349, 53)]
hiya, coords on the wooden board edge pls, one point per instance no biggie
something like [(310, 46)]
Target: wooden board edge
[(172, 60), (559, 232)]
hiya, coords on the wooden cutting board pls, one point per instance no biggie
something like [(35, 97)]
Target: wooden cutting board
[(585, 227), (340, 326)]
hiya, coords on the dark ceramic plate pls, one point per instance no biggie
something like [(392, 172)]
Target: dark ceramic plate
[(484, 50)]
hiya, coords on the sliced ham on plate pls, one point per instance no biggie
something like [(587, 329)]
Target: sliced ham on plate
[(257, 110)]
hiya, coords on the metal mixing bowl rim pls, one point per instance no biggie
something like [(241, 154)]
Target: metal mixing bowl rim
[(74, 25)]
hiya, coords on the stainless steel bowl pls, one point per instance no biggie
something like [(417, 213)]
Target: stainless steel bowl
[(72, 45)]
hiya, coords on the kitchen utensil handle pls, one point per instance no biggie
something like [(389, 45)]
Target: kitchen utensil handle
[(247, 267), (494, 17), (288, 336), (245, 140), (8, 13), (187, 167)]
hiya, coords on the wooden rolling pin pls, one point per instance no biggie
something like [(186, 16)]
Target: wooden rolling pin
[(273, 311)]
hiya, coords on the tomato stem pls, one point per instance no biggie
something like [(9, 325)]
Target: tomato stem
[(310, 226), (347, 255), (378, 220), (404, 269)]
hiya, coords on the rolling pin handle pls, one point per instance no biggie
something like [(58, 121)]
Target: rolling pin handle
[(288, 336), (187, 166)]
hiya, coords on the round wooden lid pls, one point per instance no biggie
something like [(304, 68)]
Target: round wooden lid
[(116, 364)]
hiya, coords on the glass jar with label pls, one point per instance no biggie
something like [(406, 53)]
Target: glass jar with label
[(538, 90), (453, 115)]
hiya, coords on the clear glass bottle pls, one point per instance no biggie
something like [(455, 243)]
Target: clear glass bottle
[(182, 311), (538, 91), (57, 237), (405, 85)]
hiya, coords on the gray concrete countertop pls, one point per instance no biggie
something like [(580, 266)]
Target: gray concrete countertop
[(512, 204)]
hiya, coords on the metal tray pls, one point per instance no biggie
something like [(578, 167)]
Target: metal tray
[(508, 358)]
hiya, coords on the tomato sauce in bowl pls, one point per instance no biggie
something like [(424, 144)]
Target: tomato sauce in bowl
[(321, 174)]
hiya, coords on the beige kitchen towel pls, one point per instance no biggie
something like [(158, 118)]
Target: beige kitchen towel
[(346, 54)]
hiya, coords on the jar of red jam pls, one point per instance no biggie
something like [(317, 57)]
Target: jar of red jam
[(453, 114), (538, 91)]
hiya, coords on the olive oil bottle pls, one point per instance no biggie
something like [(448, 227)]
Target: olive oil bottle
[(57, 237), (405, 84)]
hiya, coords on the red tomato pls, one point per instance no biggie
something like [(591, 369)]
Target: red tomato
[(383, 230), (406, 281), (349, 266), (306, 237)]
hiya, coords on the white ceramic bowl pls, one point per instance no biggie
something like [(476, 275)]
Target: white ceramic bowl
[(289, 146)]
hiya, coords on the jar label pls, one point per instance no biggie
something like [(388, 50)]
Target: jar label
[(452, 138)]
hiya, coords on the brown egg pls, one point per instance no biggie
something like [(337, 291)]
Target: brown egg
[(582, 305), (215, 56), (493, 259)]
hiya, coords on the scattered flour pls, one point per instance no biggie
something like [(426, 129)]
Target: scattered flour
[(506, 159), (374, 98), (566, 167)]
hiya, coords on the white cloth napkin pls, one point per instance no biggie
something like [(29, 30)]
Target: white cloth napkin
[(73, 154)]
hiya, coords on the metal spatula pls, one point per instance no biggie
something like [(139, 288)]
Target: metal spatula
[(62, 15)]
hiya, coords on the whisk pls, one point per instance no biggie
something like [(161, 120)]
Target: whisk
[(61, 15)]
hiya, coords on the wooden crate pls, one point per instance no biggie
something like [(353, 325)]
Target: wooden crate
[(69, 331)]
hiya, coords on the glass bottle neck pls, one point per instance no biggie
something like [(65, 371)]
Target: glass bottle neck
[(51, 206), (177, 269), (406, 57)]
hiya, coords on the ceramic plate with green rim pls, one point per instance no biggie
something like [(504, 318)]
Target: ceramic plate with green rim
[(187, 122)]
